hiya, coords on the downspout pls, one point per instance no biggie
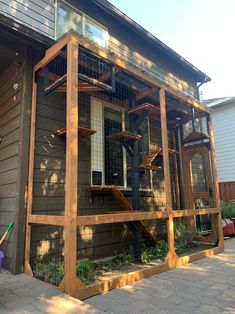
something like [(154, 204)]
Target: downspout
[(206, 80)]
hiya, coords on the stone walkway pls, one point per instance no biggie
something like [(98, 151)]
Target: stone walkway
[(205, 286)]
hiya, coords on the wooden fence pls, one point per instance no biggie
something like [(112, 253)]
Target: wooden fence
[(227, 191)]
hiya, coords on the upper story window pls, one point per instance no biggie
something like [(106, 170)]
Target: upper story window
[(68, 17)]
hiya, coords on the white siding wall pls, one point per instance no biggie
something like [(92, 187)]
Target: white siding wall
[(224, 130), (36, 14)]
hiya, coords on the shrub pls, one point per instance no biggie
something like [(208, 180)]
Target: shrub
[(159, 251), (228, 210), (86, 271), (115, 262), (52, 272), (183, 237)]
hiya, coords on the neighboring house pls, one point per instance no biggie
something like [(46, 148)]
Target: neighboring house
[(144, 141), (223, 113)]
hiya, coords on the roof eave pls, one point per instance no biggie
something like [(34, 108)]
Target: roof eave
[(202, 77)]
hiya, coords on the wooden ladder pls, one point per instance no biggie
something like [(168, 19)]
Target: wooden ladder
[(120, 198), (147, 163)]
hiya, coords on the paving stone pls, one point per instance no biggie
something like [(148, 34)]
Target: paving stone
[(188, 306), (205, 286)]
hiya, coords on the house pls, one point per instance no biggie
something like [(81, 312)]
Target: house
[(104, 144), (223, 111)]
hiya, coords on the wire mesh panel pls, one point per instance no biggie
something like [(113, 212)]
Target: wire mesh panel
[(105, 257), (196, 237), (47, 242), (49, 166), (47, 253)]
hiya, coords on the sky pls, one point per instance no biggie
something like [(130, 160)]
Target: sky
[(201, 31)]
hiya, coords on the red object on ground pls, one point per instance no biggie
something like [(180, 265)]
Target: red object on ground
[(228, 227)]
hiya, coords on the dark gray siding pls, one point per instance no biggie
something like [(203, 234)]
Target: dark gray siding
[(10, 110), (35, 14)]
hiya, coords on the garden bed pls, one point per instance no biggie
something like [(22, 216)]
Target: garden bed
[(91, 272)]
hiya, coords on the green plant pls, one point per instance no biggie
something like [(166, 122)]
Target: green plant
[(159, 251), (115, 262), (52, 272), (184, 237), (86, 271), (227, 210)]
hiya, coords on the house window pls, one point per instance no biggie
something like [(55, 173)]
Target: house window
[(113, 150), (110, 163), (69, 18), (95, 32), (106, 156)]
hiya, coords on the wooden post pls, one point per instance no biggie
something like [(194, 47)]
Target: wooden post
[(167, 182), (216, 182), (28, 269), (70, 229)]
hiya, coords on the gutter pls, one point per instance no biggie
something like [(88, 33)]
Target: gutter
[(207, 79)]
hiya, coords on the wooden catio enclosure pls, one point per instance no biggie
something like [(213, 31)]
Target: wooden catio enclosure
[(112, 146)]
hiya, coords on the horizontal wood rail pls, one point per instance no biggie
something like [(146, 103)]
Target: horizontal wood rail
[(120, 217), (55, 50), (47, 220)]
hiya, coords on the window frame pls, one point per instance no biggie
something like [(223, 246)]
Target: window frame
[(122, 110), (124, 187), (84, 18)]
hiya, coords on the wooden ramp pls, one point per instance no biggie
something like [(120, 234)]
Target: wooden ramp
[(147, 163), (120, 198)]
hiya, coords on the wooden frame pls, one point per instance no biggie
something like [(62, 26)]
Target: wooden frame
[(71, 284)]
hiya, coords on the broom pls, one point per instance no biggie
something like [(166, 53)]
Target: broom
[(2, 256)]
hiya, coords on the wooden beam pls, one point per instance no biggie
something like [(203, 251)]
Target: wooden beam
[(139, 215), (119, 217), (122, 280), (105, 76), (52, 52), (133, 70), (196, 256), (47, 220), (192, 212), (216, 182), (167, 178), (30, 177), (146, 92), (70, 229)]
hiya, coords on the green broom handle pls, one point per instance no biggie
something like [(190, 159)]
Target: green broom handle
[(6, 232)]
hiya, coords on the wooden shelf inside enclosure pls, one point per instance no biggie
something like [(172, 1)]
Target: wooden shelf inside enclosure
[(196, 136), (82, 132), (140, 108), (123, 135)]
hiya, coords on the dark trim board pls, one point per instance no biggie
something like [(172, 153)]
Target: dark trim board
[(21, 186), (14, 121)]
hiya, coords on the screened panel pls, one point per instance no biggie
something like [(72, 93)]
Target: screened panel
[(113, 150)]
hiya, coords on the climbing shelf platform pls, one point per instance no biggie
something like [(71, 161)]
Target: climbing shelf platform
[(82, 132), (196, 136), (147, 163), (140, 108), (123, 136)]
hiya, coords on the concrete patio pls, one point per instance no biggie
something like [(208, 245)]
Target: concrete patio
[(205, 286)]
